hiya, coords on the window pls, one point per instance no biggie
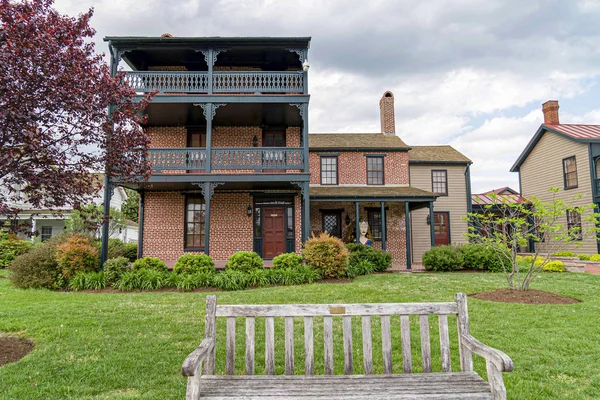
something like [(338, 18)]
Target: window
[(194, 221), (574, 225), (196, 139), (374, 219), (439, 182), (332, 223), (290, 223), (570, 173), (329, 170), (374, 170), (46, 233)]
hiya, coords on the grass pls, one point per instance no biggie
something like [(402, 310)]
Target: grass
[(132, 345)]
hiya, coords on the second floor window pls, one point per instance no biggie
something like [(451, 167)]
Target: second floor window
[(574, 225), (329, 170), (439, 182), (570, 172), (375, 171)]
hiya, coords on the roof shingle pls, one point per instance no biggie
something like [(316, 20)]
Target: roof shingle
[(355, 141), (422, 154), (369, 191)]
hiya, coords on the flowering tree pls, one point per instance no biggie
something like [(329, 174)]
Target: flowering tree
[(507, 227), (54, 125)]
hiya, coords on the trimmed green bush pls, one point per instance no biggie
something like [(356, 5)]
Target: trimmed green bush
[(37, 269), (287, 260), (584, 257), (194, 263), (479, 256), (88, 281), (244, 261), (77, 254), (327, 255), (442, 258), (153, 263), (131, 250), (378, 258), (11, 247), (115, 268), (564, 254), (595, 257), (231, 279), (554, 266)]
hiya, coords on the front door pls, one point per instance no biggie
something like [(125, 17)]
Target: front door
[(441, 228), (273, 231)]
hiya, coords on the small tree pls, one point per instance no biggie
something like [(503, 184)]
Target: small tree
[(512, 226), (88, 220), (130, 207)]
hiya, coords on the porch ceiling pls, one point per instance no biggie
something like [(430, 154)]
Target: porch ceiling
[(370, 193)]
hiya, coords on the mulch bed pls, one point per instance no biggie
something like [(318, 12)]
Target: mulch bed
[(530, 296), (13, 349)]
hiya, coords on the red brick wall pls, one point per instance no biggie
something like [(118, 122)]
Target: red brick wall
[(352, 168), (396, 232), (167, 136), (163, 225), (230, 228)]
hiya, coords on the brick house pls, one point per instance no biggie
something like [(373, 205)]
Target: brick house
[(564, 156), (230, 144)]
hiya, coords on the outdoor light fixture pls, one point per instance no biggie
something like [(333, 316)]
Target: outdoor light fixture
[(254, 141), (305, 66), (428, 220), (347, 219), (249, 211)]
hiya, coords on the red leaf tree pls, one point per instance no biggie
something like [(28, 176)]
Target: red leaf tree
[(55, 128)]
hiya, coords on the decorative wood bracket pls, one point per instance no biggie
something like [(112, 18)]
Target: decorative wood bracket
[(205, 107), (208, 188), (300, 107), (300, 185), (301, 54)]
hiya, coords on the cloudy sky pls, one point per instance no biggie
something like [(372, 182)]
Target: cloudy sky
[(469, 73)]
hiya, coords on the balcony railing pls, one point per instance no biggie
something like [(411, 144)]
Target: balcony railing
[(252, 158), (222, 82)]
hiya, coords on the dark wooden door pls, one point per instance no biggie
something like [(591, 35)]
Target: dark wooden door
[(441, 228), (273, 231)]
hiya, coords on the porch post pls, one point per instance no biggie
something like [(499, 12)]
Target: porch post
[(383, 233), (305, 211), (357, 224), (304, 114), (140, 250), (206, 192), (407, 224), (210, 61), (105, 219), (208, 114), (431, 225)]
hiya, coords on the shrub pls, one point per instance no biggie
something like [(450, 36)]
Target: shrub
[(12, 247), (327, 255), (231, 279), (259, 277), (378, 258), (595, 257), (554, 266), (290, 276), (478, 256), (116, 248), (88, 281), (584, 257), (143, 279), (287, 260), (564, 254), (442, 258), (153, 263), (77, 254), (37, 269), (244, 261), (131, 280), (131, 250), (187, 282), (309, 275), (115, 268), (193, 263)]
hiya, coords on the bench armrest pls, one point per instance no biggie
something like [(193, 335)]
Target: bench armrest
[(197, 356), (498, 358)]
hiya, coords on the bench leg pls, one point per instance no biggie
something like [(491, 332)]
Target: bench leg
[(193, 385), (496, 381)]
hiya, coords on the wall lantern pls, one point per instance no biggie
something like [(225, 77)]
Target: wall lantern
[(305, 66), (428, 220), (347, 219), (249, 210), (254, 141)]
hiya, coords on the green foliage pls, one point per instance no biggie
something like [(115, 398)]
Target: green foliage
[(293, 276), (153, 263), (193, 263), (480, 256), (131, 251), (130, 206), (144, 279), (327, 255), (87, 220), (259, 277), (115, 268), (595, 257), (554, 266), (77, 254), (309, 274), (442, 258), (11, 247), (187, 282), (116, 248), (564, 254), (88, 281), (244, 261), (231, 279), (287, 260), (37, 269), (379, 258), (584, 257)]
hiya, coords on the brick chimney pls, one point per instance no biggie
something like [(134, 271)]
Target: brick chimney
[(550, 110), (386, 110)]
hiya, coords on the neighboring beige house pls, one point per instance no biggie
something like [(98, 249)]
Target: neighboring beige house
[(444, 171), (564, 156)]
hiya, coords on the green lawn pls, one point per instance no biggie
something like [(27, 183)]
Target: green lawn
[(129, 346)]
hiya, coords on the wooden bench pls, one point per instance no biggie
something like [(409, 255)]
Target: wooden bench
[(445, 385)]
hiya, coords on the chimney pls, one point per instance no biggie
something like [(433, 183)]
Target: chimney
[(386, 110), (550, 110)]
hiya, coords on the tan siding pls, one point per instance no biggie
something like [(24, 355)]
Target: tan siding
[(455, 203), (543, 169)]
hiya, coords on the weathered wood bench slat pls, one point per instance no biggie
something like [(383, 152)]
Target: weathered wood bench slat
[(427, 385)]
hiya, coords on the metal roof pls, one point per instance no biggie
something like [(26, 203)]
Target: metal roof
[(484, 199), (147, 40)]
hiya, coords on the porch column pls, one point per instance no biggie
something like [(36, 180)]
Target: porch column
[(208, 114), (431, 225), (357, 224), (140, 250), (210, 60), (305, 211), (206, 192), (33, 226), (105, 219), (383, 233), (407, 224), (304, 115)]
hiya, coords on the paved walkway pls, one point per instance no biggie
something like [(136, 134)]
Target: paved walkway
[(592, 269)]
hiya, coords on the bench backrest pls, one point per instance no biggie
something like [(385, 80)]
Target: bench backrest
[(346, 312)]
